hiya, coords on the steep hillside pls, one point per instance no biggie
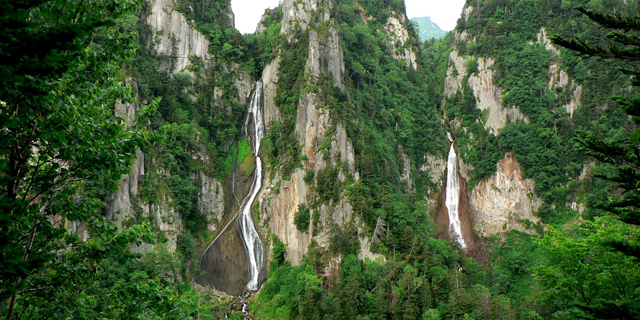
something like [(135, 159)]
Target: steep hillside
[(336, 165), (427, 29), (519, 95)]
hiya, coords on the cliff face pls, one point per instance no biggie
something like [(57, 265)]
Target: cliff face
[(175, 36), (400, 40), (504, 201), (559, 79), (488, 95), (280, 197), (494, 205), (172, 36)]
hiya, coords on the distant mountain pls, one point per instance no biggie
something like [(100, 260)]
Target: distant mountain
[(428, 29)]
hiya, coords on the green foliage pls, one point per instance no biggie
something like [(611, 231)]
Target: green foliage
[(302, 218), (282, 140), (328, 185), (291, 292), (472, 66), (344, 239), (594, 273), (60, 83), (590, 278), (237, 153), (542, 144), (279, 251), (435, 282), (308, 177), (387, 109), (264, 46)]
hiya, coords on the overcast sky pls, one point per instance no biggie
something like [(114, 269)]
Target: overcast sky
[(444, 13)]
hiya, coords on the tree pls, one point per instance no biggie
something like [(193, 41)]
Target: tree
[(623, 46), (598, 273), (60, 78)]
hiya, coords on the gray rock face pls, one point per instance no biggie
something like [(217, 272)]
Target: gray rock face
[(122, 204), (343, 147), (406, 170), (327, 59), (211, 201), (488, 95), (175, 37), (400, 47), (299, 11), (435, 168), (500, 203), (269, 82), (243, 84), (278, 205), (281, 208), (336, 57), (560, 78)]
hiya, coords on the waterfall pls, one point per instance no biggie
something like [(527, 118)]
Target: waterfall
[(250, 236), (453, 193), (252, 242)]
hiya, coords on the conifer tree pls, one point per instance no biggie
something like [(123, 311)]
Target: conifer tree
[(623, 46), (608, 246), (60, 79)]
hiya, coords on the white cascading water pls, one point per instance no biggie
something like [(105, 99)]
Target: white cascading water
[(250, 237), (453, 193), (252, 242)]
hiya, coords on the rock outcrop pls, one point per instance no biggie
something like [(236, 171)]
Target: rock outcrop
[(280, 197), (269, 83), (506, 201), (400, 40), (327, 59), (559, 78), (300, 12), (175, 37), (488, 95)]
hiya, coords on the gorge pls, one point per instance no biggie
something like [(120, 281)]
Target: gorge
[(331, 165)]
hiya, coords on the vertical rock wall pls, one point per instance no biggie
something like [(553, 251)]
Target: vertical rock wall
[(175, 37), (505, 201), (488, 95), (280, 197)]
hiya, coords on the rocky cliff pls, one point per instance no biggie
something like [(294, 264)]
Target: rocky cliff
[(505, 201), (281, 196), (488, 95), (173, 36)]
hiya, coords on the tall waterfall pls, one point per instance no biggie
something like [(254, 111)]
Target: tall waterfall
[(252, 242), (453, 194), (254, 128)]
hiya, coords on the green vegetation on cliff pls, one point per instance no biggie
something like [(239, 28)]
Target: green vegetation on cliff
[(63, 149), (426, 278)]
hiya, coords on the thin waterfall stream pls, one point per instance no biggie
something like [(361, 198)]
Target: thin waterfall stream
[(250, 236), (453, 194), (254, 128)]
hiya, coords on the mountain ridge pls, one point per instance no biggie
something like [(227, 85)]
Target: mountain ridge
[(427, 29)]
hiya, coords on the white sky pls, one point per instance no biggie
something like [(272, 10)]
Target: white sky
[(444, 13), (249, 12)]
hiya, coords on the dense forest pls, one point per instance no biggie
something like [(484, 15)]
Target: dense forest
[(124, 153)]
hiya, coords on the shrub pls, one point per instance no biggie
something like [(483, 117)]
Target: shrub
[(302, 218), (279, 251)]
